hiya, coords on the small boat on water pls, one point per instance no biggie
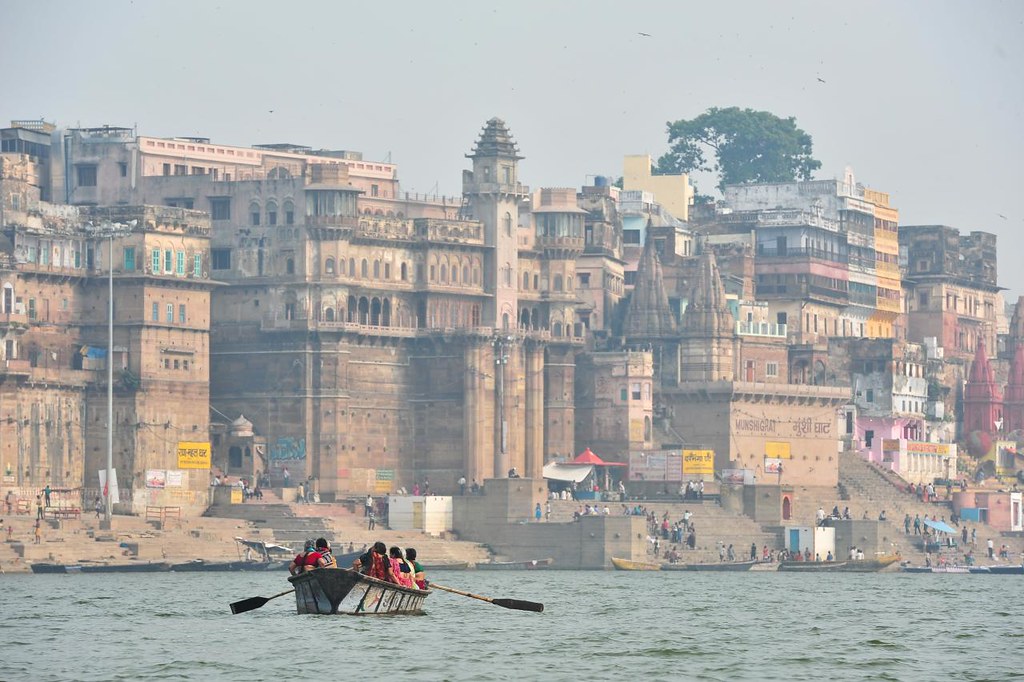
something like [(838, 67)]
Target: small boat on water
[(332, 591), (721, 566), (869, 565), (453, 566), (936, 569), (1006, 570), (810, 566), (138, 567), (515, 565), (630, 565)]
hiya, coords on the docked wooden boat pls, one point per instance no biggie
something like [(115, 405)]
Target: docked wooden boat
[(202, 566), (453, 566), (515, 565), (810, 566), (140, 567), (332, 591), (935, 569), (1006, 570), (721, 566), (630, 565), (869, 565)]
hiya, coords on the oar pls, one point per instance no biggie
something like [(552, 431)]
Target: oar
[(253, 603), (517, 604)]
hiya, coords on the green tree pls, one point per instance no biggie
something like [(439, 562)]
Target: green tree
[(747, 146)]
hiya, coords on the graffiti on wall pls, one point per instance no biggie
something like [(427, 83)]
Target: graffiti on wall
[(287, 448)]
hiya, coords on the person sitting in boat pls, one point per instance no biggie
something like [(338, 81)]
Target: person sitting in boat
[(418, 576), (327, 559), (307, 560), (396, 574), (375, 562)]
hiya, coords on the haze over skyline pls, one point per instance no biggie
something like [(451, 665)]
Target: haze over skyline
[(919, 99)]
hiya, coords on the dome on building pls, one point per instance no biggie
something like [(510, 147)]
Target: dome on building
[(241, 427)]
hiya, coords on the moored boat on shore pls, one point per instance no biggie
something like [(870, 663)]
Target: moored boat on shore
[(515, 565), (630, 565), (869, 565), (721, 566), (147, 567), (810, 566), (332, 591)]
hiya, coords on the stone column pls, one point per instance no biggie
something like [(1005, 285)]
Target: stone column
[(534, 379)]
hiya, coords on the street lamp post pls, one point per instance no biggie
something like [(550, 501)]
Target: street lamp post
[(110, 230)]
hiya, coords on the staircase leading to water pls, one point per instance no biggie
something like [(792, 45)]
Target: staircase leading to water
[(277, 520)]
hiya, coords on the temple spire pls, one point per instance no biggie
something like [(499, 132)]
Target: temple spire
[(649, 315)]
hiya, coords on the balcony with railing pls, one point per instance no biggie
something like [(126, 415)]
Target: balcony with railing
[(765, 329), (802, 254)]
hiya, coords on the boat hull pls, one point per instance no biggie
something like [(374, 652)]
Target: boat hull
[(331, 591), (724, 566), (155, 567), (201, 566), (935, 569), (630, 565), (516, 565), (813, 566)]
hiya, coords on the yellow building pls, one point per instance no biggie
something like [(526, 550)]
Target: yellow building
[(674, 192)]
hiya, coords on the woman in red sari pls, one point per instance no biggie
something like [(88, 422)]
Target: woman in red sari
[(397, 576)]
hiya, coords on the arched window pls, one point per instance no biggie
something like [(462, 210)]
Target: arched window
[(476, 276), (341, 266), (536, 281), (329, 315), (329, 266), (364, 269), (351, 267), (376, 269), (289, 213), (558, 282), (465, 274), (444, 273), (254, 213), (556, 330), (271, 213), (474, 316), (289, 266), (526, 281), (507, 221), (504, 321), (455, 274), (647, 428), (404, 272), (387, 271)]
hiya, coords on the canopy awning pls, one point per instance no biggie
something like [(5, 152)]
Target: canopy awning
[(560, 471), (588, 457), (940, 526)]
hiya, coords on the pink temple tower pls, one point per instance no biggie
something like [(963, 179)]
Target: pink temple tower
[(983, 404)]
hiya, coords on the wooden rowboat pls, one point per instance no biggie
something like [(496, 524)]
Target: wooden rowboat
[(870, 565), (515, 565), (811, 566), (721, 566), (629, 565), (334, 591)]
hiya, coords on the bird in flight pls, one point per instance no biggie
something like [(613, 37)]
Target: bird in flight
[(1001, 216), (820, 79), (645, 35)]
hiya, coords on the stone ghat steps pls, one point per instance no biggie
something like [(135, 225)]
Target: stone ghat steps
[(714, 525)]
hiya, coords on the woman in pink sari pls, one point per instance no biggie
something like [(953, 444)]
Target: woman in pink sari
[(396, 575)]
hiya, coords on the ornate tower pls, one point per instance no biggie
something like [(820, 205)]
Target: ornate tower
[(983, 405), (649, 318), (1013, 402), (708, 349), (492, 193)]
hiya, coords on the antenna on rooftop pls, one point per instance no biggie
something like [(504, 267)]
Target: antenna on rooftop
[(387, 159)]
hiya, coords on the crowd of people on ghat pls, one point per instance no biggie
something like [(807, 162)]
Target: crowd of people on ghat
[(390, 565)]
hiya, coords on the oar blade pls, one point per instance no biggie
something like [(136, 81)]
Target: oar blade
[(250, 604), (519, 605)]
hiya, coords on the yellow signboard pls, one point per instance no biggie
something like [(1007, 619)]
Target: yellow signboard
[(777, 450), (193, 455), (236, 496), (698, 461), (636, 430)]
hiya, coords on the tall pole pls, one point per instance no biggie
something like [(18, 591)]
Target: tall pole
[(110, 378)]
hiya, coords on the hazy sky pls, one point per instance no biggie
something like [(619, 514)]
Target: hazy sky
[(923, 99)]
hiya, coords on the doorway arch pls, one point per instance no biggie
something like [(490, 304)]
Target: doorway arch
[(787, 508)]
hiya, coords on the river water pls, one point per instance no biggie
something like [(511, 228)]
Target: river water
[(596, 625)]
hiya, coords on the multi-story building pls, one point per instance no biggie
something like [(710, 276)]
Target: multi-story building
[(371, 337)]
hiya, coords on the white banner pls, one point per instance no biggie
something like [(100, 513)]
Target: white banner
[(115, 497)]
